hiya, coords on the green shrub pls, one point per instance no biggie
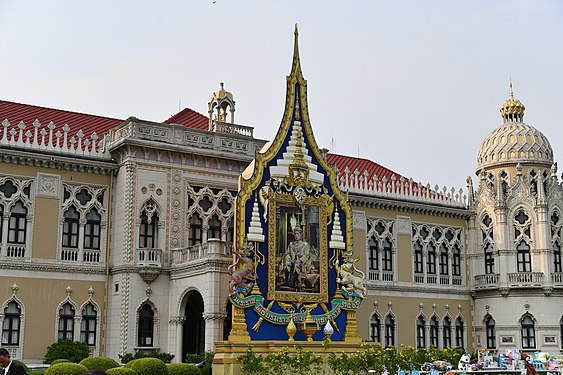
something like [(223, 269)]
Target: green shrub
[(148, 366), (183, 369), (66, 369), (74, 351), (36, 372), (164, 357), (62, 360), (121, 371), (99, 363), (206, 357)]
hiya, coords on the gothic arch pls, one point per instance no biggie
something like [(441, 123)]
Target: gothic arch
[(57, 317), (21, 305)]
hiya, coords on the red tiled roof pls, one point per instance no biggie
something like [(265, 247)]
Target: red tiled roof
[(190, 119), (17, 112), (352, 163)]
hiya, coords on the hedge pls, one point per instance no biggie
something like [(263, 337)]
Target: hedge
[(99, 363), (121, 371), (148, 366), (183, 369), (74, 351), (66, 369), (57, 361)]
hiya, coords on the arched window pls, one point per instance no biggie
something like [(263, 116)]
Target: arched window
[(1, 221), (456, 261), (459, 332), (214, 228), (66, 322), (561, 331), (444, 260), (556, 227), (12, 323), (375, 328), (524, 260), (387, 256), (556, 257), (389, 330), (431, 259), (17, 225), (146, 326), (196, 228), (148, 231), (447, 332), (434, 332), (88, 325), (70, 227), (491, 334), (230, 231), (418, 259), (373, 254), (522, 236), (420, 332), (488, 248), (528, 332), (92, 230)]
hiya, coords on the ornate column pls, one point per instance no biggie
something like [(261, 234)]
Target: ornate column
[(178, 322), (4, 240), (213, 328)]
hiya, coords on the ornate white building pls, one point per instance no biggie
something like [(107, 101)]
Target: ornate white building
[(123, 240)]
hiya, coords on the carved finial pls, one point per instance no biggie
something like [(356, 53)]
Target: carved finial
[(487, 307), (554, 170), (296, 67), (148, 291), (421, 305), (527, 306), (510, 91), (15, 289), (91, 291), (459, 307), (375, 304), (68, 291), (447, 307), (389, 305), (434, 306), (519, 169)]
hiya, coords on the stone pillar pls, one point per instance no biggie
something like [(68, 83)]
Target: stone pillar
[(213, 328), (177, 324)]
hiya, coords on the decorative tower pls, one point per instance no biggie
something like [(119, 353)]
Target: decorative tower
[(515, 259), (220, 104)]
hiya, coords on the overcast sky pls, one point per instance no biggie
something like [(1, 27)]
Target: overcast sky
[(413, 85)]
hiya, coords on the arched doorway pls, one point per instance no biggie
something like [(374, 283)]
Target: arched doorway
[(194, 326), (228, 321)]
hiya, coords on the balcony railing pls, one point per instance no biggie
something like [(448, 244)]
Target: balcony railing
[(456, 280), (212, 248), (444, 280), (375, 275), (149, 257), (525, 278), (487, 281), (387, 275), (15, 250), (91, 256), (557, 278), (70, 254)]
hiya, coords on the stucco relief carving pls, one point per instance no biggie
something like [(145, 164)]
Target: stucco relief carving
[(48, 185), (359, 220), (404, 225)]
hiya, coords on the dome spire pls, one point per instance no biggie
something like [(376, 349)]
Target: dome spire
[(512, 109), (296, 63)]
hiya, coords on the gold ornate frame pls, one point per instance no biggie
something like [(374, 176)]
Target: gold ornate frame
[(286, 200)]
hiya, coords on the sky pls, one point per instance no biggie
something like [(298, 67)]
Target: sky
[(412, 85)]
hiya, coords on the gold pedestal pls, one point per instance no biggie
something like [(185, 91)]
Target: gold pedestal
[(239, 331)]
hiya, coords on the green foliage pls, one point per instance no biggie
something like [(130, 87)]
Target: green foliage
[(183, 369), (121, 371), (62, 360), (21, 364), (148, 366), (68, 368), (301, 362), (128, 357), (99, 363), (206, 357), (36, 372), (74, 351)]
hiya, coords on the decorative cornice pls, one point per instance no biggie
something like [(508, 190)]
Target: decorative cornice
[(423, 288), (57, 161), (60, 267)]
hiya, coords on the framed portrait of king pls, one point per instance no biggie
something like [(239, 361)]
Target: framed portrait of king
[(297, 258)]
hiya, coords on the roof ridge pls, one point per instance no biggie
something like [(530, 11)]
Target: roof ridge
[(370, 161), (62, 110)]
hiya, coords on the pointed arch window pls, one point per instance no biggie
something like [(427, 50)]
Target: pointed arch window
[(459, 332), (230, 231), (17, 224), (387, 256), (92, 230), (556, 257), (1, 221), (431, 259), (373, 254), (556, 241), (214, 228), (447, 332), (145, 330), (88, 325), (444, 260), (375, 328), (491, 332), (148, 231), (487, 241), (196, 228), (418, 258), (66, 322), (70, 227), (389, 330), (12, 324), (420, 332), (434, 332), (523, 257), (456, 261), (528, 332)]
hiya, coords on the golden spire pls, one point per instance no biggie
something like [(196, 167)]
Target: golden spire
[(512, 109), (296, 67)]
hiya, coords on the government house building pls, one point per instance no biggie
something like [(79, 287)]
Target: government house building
[(118, 233)]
